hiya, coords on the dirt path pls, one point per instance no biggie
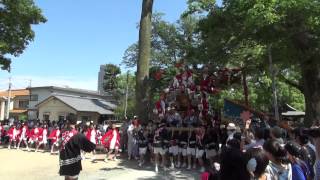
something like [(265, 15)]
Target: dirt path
[(18, 164)]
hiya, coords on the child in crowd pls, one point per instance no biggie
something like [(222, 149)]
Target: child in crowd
[(2, 132), (99, 135), (24, 136), (200, 147), (174, 148), (159, 145), (143, 144), (183, 145), (55, 138), (191, 150), (34, 136), (13, 133), (211, 145), (43, 137), (150, 135), (91, 135), (111, 141), (165, 147), (133, 149)]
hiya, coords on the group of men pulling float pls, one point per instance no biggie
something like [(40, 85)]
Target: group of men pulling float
[(186, 125)]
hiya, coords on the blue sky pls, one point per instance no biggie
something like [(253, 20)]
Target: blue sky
[(78, 37)]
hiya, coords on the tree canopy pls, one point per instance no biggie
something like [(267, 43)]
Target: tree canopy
[(173, 37), (290, 28), (170, 42), (110, 78), (16, 18)]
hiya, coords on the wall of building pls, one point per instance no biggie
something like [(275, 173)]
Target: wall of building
[(54, 108), (42, 95), (3, 108), (92, 116), (17, 100), (101, 79)]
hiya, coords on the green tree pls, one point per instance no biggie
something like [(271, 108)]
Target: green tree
[(142, 89), (170, 42), (120, 95), (291, 28), (16, 18), (110, 78)]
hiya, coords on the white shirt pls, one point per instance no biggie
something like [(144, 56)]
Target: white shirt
[(93, 136), (44, 135), (113, 140), (15, 133), (105, 127), (24, 130), (276, 172)]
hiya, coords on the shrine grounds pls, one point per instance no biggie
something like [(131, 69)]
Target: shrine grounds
[(23, 165)]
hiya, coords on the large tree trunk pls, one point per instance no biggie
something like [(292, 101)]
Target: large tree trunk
[(311, 88), (142, 85)]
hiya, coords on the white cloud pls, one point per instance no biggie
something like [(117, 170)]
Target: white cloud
[(61, 81)]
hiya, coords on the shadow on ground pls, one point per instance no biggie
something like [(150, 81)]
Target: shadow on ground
[(169, 174), (110, 169)]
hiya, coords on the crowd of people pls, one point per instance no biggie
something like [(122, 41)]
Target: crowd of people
[(224, 152), (47, 135), (186, 133), (229, 151)]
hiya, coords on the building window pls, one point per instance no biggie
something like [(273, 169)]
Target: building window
[(34, 97), (61, 118), (46, 117), (85, 118), (23, 104)]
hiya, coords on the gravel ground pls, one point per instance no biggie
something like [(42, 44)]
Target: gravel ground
[(19, 164)]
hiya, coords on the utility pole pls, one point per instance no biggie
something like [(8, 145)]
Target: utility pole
[(274, 88), (9, 99), (126, 103), (30, 83)]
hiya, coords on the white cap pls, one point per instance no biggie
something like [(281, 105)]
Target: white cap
[(231, 126)]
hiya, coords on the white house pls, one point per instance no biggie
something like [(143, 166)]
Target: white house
[(54, 103), (58, 106)]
